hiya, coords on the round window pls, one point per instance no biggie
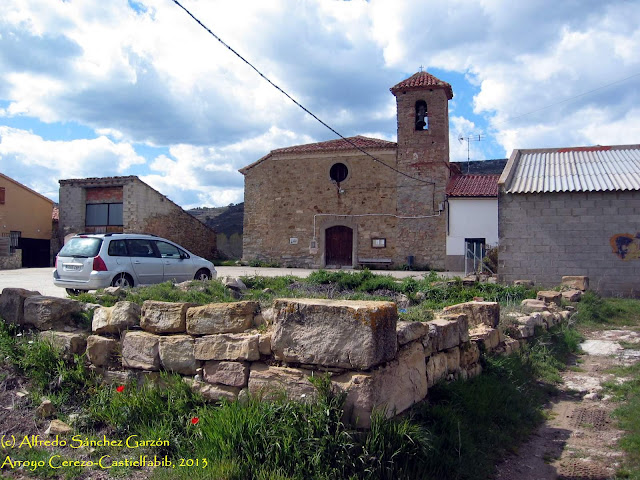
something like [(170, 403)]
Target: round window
[(338, 172)]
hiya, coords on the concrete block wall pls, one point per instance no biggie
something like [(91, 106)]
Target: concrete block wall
[(544, 237)]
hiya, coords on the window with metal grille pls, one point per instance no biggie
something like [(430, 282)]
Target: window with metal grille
[(15, 240)]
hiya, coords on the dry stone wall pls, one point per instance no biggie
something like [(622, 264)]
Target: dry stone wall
[(225, 349)]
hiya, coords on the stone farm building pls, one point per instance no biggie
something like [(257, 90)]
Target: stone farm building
[(126, 204), (331, 204), (572, 211)]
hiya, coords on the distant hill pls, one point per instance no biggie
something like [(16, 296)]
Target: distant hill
[(226, 220)]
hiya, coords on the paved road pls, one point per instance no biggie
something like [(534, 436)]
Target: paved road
[(41, 279)]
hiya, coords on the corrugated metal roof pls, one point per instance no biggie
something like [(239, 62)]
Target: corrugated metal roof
[(578, 169)]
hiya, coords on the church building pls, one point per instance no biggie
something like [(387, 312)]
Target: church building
[(360, 201)]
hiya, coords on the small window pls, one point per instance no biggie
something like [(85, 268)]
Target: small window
[(1, 195), (140, 248), (167, 250), (118, 248), (338, 172), (378, 243), (15, 241), (103, 214)]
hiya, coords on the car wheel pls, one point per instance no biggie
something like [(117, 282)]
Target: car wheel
[(122, 280), (203, 274), (74, 291)]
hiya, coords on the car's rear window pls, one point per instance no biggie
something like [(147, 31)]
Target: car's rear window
[(81, 247)]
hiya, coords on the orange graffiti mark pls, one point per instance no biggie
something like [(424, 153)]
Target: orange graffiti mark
[(626, 246)]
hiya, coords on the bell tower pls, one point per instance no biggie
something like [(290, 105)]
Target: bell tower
[(422, 103)]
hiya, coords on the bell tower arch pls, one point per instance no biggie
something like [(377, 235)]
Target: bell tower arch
[(422, 103)]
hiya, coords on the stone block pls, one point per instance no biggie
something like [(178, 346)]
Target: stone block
[(474, 371), (488, 338), (102, 351), (264, 344), (231, 347), (572, 295), (69, 343), (164, 317), (116, 319), (550, 296), (233, 374), (469, 354), (221, 318), (394, 387), (511, 345), (46, 313), (531, 305), (453, 359), (436, 368), (272, 382), (487, 313), (447, 331), (141, 350), (410, 331), (214, 393), (335, 333), (578, 282), (177, 354), (12, 304)]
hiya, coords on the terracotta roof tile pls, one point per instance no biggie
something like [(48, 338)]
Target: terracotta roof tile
[(337, 145), (473, 186), (421, 80)]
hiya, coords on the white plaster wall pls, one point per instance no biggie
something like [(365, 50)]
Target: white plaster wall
[(471, 218)]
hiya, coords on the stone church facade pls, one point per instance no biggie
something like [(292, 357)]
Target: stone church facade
[(336, 203)]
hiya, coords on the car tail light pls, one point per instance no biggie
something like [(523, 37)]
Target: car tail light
[(99, 265), (56, 262)]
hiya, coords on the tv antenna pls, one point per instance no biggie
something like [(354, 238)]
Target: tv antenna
[(470, 138)]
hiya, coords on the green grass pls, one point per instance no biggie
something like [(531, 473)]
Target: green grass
[(598, 312)]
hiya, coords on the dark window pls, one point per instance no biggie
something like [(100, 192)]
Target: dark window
[(338, 172), (118, 248), (81, 247), (140, 248), (1, 195), (103, 214), (422, 120)]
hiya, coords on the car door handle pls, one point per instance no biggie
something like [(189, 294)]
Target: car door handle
[(137, 262)]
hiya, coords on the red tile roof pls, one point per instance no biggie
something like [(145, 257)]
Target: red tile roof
[(421, 80), (473, 186), (337, 145), (366, 143)]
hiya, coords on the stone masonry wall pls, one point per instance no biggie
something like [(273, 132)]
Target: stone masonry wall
[(546, 236), (423, 155), (378, 362), (283, 194)]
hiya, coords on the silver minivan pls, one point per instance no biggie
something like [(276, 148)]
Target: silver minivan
[(92, 261)]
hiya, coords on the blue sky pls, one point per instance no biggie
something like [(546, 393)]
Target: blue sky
[(92, 88)]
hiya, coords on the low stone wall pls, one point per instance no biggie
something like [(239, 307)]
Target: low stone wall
[(12, 261), (227, 350)]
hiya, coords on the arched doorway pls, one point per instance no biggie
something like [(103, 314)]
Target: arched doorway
[(339, 246)]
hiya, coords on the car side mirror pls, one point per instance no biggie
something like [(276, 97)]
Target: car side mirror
[(183, 256)]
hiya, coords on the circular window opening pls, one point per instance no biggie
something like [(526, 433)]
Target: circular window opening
[(338, 172)]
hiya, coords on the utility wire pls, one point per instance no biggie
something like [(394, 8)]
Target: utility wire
[(296, 102)]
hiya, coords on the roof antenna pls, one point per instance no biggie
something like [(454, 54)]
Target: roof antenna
[(470, 138)]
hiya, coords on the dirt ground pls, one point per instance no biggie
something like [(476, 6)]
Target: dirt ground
[(578, 440)]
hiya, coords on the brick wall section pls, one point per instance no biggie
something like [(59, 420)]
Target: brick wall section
[(283, 194), (423, 155), (546, 236), (144, 211)]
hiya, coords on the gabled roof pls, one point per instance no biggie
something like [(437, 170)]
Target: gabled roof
[(573, 169), (338, 145), (473, 186), (420, 81), (26, 188)]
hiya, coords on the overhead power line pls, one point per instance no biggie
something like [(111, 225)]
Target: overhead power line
[(357, 147)]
